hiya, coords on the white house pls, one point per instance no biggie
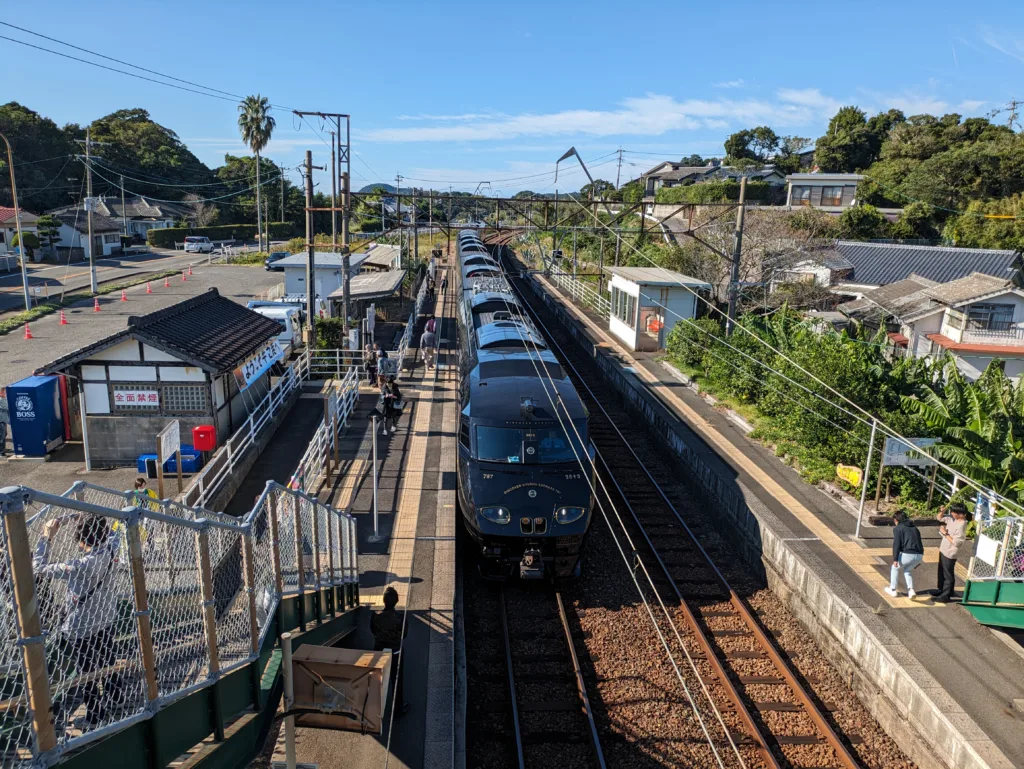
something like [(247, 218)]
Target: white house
[(9, 228), (74, 231), (327, 265), (832, 193), (977, 319), (137, 215), (646, 302)]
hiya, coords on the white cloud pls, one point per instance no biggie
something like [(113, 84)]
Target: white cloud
[(446, 118), (1012, 48), (916, 104), (649, 115), (969, 105), (738, 83)]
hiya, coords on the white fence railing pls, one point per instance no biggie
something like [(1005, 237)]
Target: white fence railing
[(582, 293), (316, 462), (998, 550), (116, 607)]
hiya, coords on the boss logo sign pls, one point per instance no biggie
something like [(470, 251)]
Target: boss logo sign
[(24, 408)]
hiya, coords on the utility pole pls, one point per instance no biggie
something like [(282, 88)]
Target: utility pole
[(310, 266), (282, 195), (618, 172), (88, 207), (415, 230), (334, 193), (17, 225), (124, 213), (737, 251), (398, 215), (346, 189)]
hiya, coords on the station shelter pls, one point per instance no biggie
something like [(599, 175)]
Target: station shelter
[(204, 361), (646, 302), (382, 289)]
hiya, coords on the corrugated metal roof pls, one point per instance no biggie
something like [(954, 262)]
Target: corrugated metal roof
[(370, 285), (322, 260), (656, 276), (877, 264)]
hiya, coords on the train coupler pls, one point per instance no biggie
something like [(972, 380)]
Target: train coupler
[(532, 565)]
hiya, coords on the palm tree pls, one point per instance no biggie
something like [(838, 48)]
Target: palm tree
[(256, 124)]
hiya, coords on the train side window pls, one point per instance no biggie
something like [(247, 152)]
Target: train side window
[(464, 433)]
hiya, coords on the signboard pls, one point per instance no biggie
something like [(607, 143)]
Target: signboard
[(137, 396), (169, 439), (982, 508), (257, 364), (899, 453), (987, 550), (849, 473)]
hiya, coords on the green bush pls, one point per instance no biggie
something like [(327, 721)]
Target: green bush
[(863, 223), (279, 230), (329, 333), (167, 237), (687, 342), (713, 192), (31, 242)]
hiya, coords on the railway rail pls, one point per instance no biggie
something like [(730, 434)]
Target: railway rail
[(778, 721)]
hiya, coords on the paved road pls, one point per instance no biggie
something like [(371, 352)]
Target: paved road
[(19, 357), (57, 278)]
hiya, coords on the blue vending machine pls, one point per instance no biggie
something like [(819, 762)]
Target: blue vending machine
[(37, 426)]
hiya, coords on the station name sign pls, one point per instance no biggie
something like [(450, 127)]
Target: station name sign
[(257, 364)]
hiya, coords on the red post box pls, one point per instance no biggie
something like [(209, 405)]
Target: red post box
[(204, 438)]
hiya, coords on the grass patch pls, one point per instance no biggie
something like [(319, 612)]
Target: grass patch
[(27, 316)]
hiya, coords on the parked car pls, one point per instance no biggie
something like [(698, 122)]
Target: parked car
[(198, 244), (275, 256)]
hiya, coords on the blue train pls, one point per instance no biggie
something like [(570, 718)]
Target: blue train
[(525, 473)]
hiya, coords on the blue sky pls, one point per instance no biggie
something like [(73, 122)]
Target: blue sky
[(457, 93)]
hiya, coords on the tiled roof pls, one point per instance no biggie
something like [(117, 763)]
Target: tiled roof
[(973, 287), (7, 215), (140, 208), (1002, 350), (79, 221), (208, 331), (902, 298), (876, 264)]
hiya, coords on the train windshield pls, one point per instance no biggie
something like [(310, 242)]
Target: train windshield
[(544, 445)]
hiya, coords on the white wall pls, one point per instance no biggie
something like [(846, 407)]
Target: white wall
[(69, 237), (328, 280)]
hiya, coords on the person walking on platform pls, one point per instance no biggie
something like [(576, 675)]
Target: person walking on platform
[(954, 534), (430, 290), (907, 553), (428, 347), (444, 284), (370, 364), (390, 404), (389, 631)]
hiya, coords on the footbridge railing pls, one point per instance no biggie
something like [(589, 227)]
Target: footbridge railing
[(117, 606)]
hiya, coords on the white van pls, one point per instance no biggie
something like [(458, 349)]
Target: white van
[(291, 326)]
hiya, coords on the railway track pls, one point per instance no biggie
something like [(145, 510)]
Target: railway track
[(774, 719), (533, 709)]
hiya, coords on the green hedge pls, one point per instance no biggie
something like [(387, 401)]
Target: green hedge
[(714, 192), (281, 230), (166, 238)]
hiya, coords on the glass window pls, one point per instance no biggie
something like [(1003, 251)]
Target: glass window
[(624, 306), (831, 196), (111, 238), (178, 398), (464, 433), (801, 196), (998, 317), (544, 445)]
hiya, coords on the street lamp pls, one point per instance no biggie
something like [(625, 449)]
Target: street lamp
[(17, 224)]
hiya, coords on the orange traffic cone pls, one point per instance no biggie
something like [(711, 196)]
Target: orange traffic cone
[(28, 332), (124, 295), (96, 304), (149, 288), (190, 269), (63, 319), (167, 281), (183, 278)]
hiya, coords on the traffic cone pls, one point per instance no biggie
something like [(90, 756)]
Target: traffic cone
[(96, 304), (63, 319), (190, 269), (167, 281), (183, 278), (124, 295), (28, 332), (149, 289)]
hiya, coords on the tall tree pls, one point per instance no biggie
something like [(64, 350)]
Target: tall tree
[(48, 229), (846, 145), (256, 124)]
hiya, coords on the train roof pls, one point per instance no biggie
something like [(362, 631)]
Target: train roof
[(501, 379), (508, 333), (482, 297), (480, 270)]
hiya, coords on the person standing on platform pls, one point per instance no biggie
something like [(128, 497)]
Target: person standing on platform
[(954, 534), (390, 402), (444, 284), (907, 553), (370, 364), (389, 631), (428, 347)]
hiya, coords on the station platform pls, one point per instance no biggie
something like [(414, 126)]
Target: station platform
[(936, 670), (415, 554)]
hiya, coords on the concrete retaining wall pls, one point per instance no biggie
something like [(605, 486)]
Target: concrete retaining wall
[(904, 698)]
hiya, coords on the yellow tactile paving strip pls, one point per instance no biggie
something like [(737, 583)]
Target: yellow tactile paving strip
[(864, 561)]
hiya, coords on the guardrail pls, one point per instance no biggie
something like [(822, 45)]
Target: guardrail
[(998, 550), (115, 611), (315, 464), (581, 293)]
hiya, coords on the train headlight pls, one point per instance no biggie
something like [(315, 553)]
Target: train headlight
[(569, 514), (495, 514)]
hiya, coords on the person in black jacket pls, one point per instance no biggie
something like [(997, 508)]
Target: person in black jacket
[(389, 631), (907, 553)]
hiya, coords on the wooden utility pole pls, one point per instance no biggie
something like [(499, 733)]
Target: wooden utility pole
[(737, 251), (88, 209), (310, 251)]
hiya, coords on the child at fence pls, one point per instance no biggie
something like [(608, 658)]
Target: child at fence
[(87, 630)]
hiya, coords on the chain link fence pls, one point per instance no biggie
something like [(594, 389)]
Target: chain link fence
[(999, 550), (115, 603)]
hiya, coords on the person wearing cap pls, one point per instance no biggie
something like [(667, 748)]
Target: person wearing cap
[(954, 534), (907, 553), (389, 630)]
